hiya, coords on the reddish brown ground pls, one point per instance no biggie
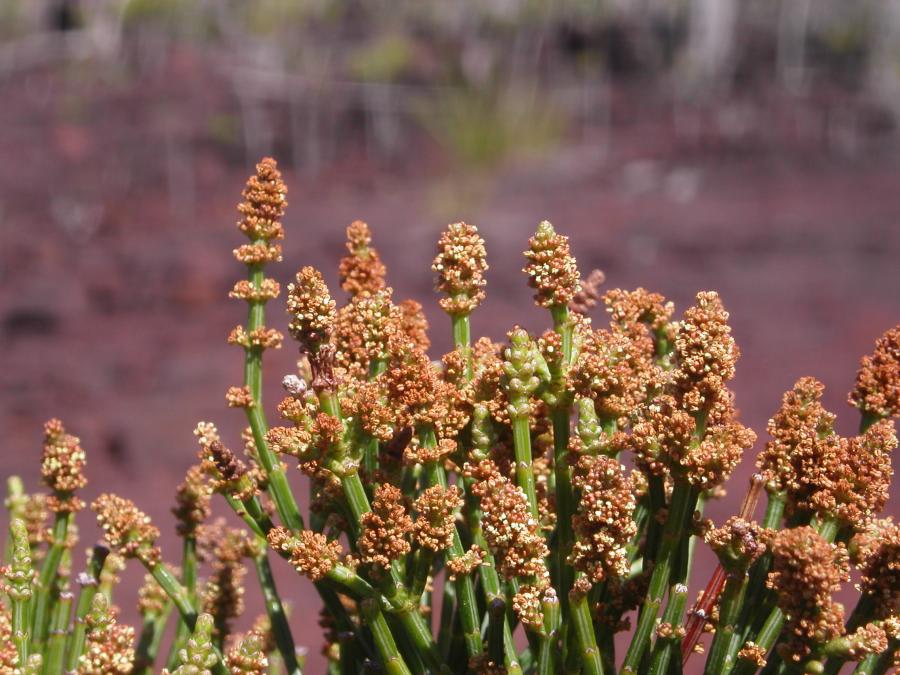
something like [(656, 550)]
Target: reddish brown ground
[(113, 309)]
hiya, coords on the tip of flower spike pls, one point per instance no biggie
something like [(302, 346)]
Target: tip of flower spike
[(460, 264), (127, 529), (264, 203), (361, 272), (311, 309), (62, 467), (877, 390), (551, 269)]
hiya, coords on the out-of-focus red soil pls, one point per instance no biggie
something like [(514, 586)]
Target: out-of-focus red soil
[(113, 283)]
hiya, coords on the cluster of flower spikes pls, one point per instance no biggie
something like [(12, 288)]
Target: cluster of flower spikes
[(689, 428), (821, 472)]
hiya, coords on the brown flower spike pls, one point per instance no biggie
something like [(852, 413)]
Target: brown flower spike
[(361, 272), (460, 265), (385, 529), (877, 391), (551, 269), (62, 468), (127, 529)]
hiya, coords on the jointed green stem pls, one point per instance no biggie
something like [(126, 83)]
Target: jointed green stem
[(384, 641), (720, 659), (54, 654), (149, 641), (524, 470), (89, 582), (189, 579), (178, 594), (49, 570), (591, 663), (281, 630), (684, 498), (279, 489)]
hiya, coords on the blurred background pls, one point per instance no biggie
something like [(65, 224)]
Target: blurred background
[(749, 147)]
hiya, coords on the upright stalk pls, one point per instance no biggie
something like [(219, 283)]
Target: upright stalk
[(47, 577), (89, 581), (684, 499)]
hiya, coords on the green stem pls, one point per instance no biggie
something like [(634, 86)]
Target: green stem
[(149, 641), (656, 495), (178, 594), (89, 582), (281, 630), (20, 630), (684, 498), (279, 489), (49, 570), (765, 639), (189, 579), (55, 653), (564, 505), (673, 615), (720, 660), (524, 470), (384, 641), (580, 612), (547, 655), (465, 591)]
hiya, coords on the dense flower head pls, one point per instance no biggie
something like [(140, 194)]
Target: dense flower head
[(109, 648), (198, 656), (603, 522), (551, 269), (310, 553), (512, 533), (589, 294), (361, 272), (666, 437), (806, 571), (264, 203), (524, 368), (799, 423), (362, 330), (229, 474), (384, 531), (192, 501), (434, 525), (847, 479), (414, 324), (460, 265), (876, 552), (705, 353), (738, 543), (223, 593), (127, 529), (877, 390), (247, 656), (152, 599), (640, 306), (312, 310), (614, 372), (62, 468)]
